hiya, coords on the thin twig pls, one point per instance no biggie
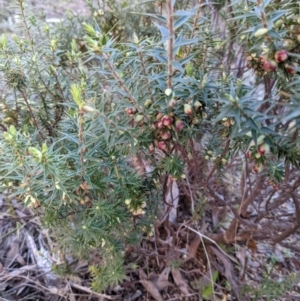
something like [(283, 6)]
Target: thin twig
[(201, 236)]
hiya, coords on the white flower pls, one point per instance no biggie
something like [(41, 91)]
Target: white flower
[(168, 92)]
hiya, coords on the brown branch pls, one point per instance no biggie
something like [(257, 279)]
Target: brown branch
[(80, 140), (286, 234), (218, 161), (19, 218), (170, 43), (24, 94), (229, 235), (145, 75), (193, 30), (250, 199), (3, 127)]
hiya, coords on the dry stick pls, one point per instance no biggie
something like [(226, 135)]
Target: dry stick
[(13, 275), (201, 236), (170, 44), (191, 194), (19, 218), (229, 271), (209, 266), (89, 291)]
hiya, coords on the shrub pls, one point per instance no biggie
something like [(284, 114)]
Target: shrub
[(98, 134)]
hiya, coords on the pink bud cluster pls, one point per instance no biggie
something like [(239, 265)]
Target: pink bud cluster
[(270, 63), (164, 125)]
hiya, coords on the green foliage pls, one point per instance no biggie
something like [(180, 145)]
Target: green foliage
[(271, 289), (207, 290), (110, 272), (118, 19)]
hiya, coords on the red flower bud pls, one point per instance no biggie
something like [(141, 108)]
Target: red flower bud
[(262, 59), (162, 145), (159, 125), (256, 168), (167, 120), (281, 56), (179, 125), (264, 149), (269, 66), (165, 135), (248, 154), (130, 111), (291, 69)]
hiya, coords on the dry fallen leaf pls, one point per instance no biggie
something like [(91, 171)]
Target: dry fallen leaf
[(151, 289), (162, 281), (137, 294), (13, 254), (252, 245), (142, 275), (182, 285), (172, 197)]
